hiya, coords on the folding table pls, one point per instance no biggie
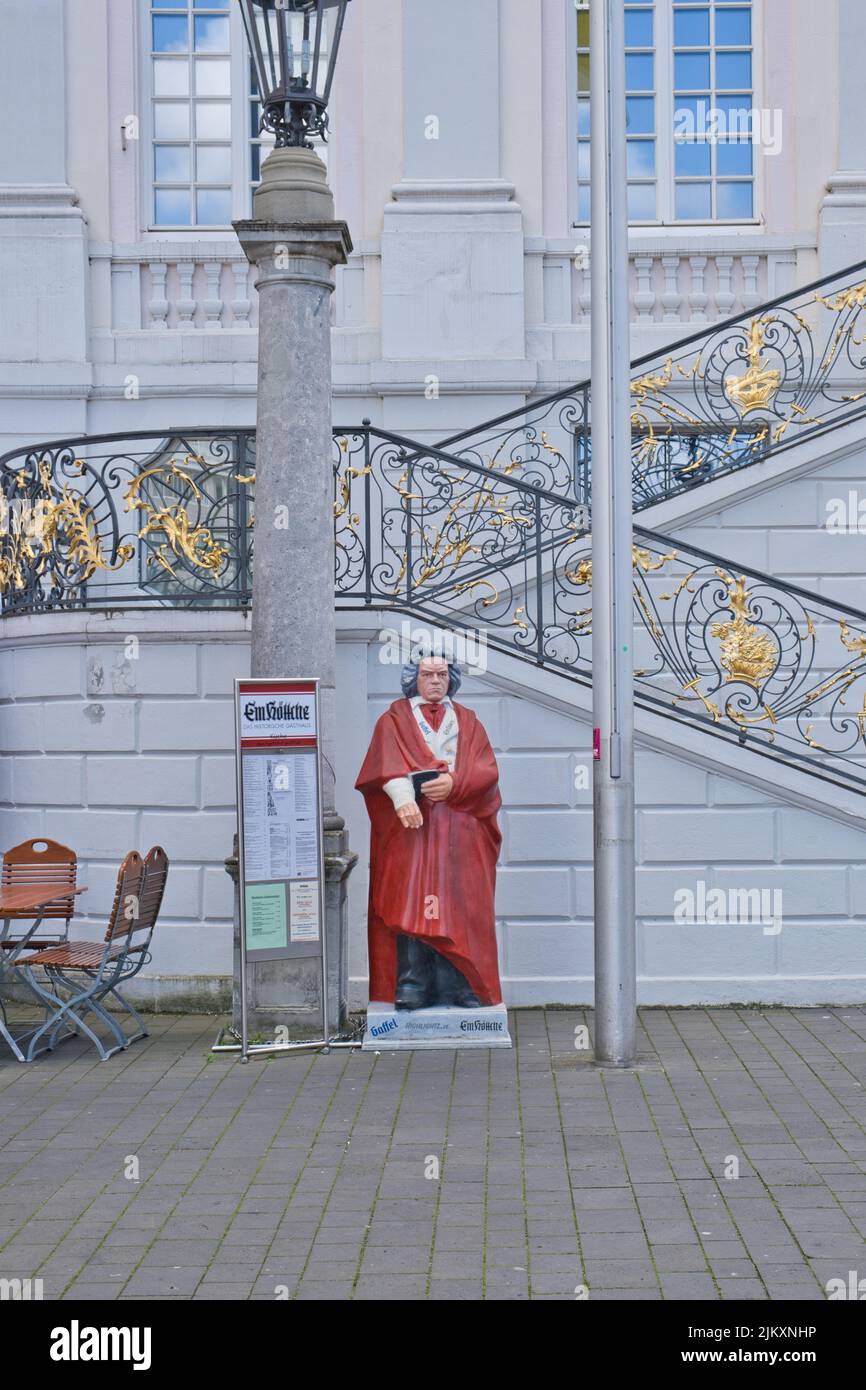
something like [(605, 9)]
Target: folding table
[(17, 902)]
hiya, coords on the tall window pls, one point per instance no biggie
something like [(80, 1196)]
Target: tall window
[(689, 104), (198, 174), (713, 170), (192, 115), (642, 111)]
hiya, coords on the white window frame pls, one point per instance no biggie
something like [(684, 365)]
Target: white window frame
[(241, 159), (241, 141), (665, 182)]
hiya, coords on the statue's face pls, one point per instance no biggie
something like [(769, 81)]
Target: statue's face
[(433, 679)]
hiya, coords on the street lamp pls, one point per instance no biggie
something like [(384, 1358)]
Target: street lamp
[(294, 58), (295, 242)]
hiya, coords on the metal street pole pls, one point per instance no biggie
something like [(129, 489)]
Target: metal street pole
[(612, 624)]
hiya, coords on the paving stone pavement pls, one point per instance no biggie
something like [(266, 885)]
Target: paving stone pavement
[(729, 1164)]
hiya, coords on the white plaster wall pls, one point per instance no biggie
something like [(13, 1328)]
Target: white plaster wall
[(107, 752), (798, 73), (91, 142), (783, 531), (44, 371)]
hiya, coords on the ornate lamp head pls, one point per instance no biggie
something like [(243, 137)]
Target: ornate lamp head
[(293, 44)]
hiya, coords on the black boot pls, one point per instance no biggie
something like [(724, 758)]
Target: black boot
[(452, 988), (415, 973)]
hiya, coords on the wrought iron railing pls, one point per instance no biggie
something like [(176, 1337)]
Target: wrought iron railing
[(145, 517), (745, 655), (448, 538), (168, 519), (717, 401), (731, 650), (77, 511)]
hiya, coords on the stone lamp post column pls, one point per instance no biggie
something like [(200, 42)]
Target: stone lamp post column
[(295, 242)]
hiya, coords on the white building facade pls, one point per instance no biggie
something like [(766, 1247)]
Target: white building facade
[(459, 159), (455, 159)]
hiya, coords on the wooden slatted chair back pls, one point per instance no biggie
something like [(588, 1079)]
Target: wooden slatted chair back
[(41, 862), (127, 894), (141, 917)]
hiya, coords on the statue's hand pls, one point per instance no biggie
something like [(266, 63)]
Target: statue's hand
[(410, 817), (439, 788)]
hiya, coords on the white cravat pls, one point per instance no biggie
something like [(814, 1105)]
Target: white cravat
[(442, 743)]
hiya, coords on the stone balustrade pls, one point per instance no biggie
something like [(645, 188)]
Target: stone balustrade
[(164, 286), (171, 286), (673, 280)]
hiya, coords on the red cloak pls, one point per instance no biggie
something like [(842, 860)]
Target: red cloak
[(451, 859)]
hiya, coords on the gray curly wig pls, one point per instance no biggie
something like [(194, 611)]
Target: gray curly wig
[(409, 674)]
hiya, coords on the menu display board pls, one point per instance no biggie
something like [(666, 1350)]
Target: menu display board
[(279, 819), (280, 816)]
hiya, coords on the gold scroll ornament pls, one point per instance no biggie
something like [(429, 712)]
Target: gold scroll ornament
[(759, 383), (748, 654)]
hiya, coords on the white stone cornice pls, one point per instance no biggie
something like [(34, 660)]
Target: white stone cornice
[(216, 391), (690, 240), (452, 196), (846, 189), (497, 190), (108, 624), (39, 200), (192, 249), (48, 391)]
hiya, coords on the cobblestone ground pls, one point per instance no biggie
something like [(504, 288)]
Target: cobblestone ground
[(313, 1176)]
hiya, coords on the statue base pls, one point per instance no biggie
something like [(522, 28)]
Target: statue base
[(390, 1029)]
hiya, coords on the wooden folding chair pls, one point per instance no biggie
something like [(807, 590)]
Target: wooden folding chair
[(90, 971), (35, 864), (38, 863)]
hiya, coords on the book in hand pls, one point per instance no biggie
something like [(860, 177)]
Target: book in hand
[(419, 778)]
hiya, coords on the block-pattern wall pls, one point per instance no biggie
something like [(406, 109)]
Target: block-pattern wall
[(785, 533), (692, 827), (106, 752)]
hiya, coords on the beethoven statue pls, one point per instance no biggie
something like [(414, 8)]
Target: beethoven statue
[(431, 786)]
